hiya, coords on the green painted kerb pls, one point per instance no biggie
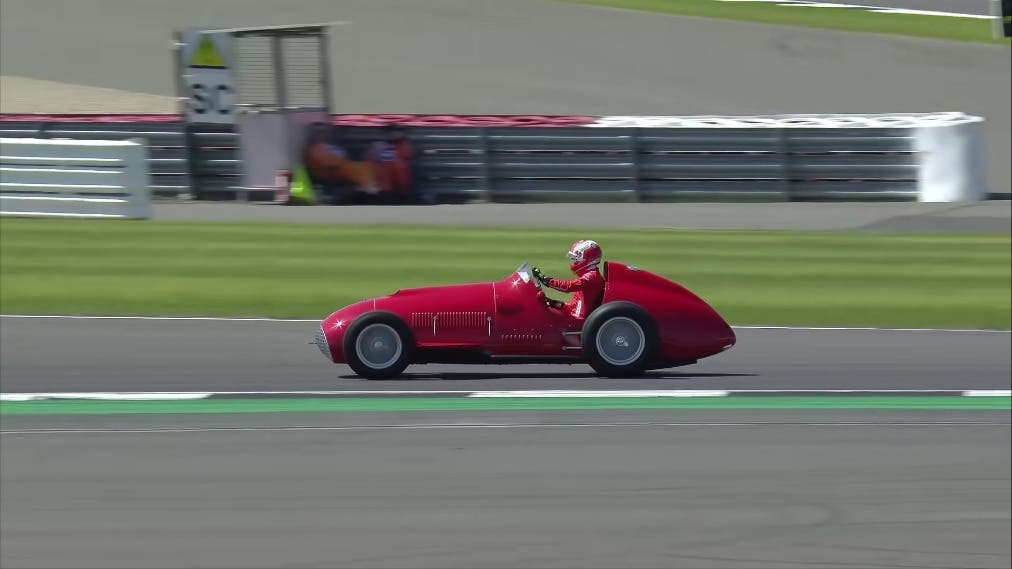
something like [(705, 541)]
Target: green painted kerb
[(357, 404)]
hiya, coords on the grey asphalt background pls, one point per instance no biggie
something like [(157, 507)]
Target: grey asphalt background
[(44, 355), (805, 488), (904, 217), (652, 496), (533, 57)]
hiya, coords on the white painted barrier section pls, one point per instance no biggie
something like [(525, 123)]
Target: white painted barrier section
[(951, 162), (74, 178), (948, 144)]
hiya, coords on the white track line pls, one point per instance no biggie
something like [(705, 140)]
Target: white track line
[(155, 318), (869, 328), (317, 321), (184, 395), (185, 430), (100, 396), (877, 9), (729, 392), (988, 393), (602, 394), (556, 393)]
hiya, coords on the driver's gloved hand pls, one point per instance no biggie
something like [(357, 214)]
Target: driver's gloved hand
[(539, 275), (555, 303)]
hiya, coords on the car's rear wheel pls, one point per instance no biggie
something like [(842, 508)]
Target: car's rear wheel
[(379, 345), (619, 339)]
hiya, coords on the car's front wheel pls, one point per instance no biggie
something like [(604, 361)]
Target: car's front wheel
[(379, 345), (619, 339)]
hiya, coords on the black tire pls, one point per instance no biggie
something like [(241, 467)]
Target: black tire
[(619, 319), (383, 326)]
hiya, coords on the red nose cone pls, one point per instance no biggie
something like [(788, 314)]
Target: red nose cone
[(728, 340)]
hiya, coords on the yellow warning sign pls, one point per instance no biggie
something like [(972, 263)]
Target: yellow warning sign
[(207, 56)]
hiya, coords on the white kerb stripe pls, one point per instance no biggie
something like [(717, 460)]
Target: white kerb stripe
[(988, 393), (139, 396), (604, 394)]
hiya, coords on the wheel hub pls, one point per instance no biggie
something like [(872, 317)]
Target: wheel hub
[(378, 346), (620, 341)]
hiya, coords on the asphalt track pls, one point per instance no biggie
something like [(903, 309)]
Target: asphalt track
[(523, 57), (759, 494), (60, 355), (786, 488)]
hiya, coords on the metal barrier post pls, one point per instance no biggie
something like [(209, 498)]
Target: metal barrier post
[(181, 101), (1001, 11), (634, 158), (486, 167), (784, 153), (325, 80)]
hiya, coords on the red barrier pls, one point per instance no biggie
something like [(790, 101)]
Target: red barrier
[(345, 120)]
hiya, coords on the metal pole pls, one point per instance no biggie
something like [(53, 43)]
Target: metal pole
[(280, 90), (486, 165), (997, 29), (1002, 12), (240, 110), (182, 97), (325, 79), (177, 68), (634, 158), (784, 151)]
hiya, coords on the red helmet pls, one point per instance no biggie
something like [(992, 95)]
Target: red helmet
[(584, 255)]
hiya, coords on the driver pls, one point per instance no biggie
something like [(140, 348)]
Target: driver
[(584, 258)]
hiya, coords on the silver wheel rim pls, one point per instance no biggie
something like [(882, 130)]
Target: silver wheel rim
[(620, 341), (378, 346)]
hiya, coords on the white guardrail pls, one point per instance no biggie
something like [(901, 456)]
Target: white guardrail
[(950, 154), (74, 178), (928, 157)]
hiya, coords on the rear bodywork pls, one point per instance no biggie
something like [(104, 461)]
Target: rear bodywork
[(506, 322)]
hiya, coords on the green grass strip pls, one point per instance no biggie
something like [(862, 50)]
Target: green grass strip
[(97, 267), (400, 404), (847, 19)]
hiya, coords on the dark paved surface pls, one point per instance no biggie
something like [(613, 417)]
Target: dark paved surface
[(754, 495), (534, 57), (42, 355), (982, 217)]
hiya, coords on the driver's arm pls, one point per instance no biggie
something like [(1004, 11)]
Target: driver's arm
[(570, 285), (560, 285), (550, 301)]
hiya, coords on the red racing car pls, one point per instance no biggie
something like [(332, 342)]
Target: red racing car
[(643, 322)]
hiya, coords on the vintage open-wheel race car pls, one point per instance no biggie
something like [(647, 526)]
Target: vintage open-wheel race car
[(642, 322)]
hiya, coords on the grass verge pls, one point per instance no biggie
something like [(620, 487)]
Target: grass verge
[(848, 19), (307, 271)]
